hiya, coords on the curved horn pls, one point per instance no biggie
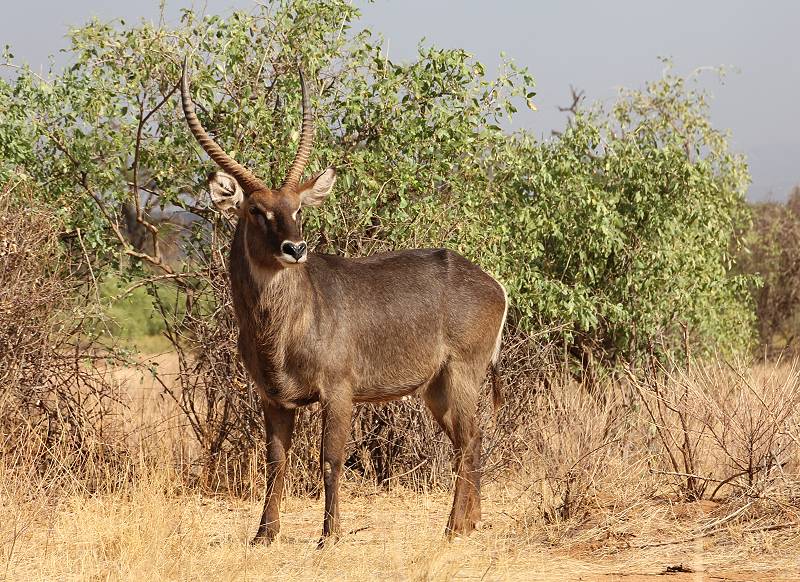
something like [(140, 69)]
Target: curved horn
[(246, 179), (306, 139)]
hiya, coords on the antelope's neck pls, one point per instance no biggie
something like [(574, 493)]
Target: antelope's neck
[(281, 294)]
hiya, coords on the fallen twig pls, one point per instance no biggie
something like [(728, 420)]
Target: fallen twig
[(708, 530)]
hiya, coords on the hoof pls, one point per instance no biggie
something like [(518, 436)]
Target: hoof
[(264, 539), (459, 531), (327, 541)]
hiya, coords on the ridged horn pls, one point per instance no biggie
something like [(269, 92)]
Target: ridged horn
[(246, 179), (306, 139)]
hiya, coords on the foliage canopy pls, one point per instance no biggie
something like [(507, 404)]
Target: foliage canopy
[(617, 236)]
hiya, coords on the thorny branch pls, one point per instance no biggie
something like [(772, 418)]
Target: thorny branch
[(112, 222), (143, 119)]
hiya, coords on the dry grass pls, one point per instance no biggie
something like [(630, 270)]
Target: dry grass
[(587, 493), (157, 530)]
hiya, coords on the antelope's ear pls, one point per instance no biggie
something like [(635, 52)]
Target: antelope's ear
[(316, 190), (226, 194)]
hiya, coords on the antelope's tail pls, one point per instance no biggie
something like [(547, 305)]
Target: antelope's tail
[(497, 379), (497, 387)]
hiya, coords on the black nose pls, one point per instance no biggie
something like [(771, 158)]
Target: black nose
[(294, 250)]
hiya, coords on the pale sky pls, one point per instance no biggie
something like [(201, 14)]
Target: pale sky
[(595, 46)]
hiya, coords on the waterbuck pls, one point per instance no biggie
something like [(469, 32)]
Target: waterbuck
[(334, 330)]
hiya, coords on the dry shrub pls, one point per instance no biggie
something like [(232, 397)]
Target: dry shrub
[(750, 417), (677, 430), (575, 455), (719, 436), (56, 396), (397, 443), (211, 389), (725, 428), (578, 438)]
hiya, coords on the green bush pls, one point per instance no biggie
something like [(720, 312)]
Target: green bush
[(623, 231), (618, 236)]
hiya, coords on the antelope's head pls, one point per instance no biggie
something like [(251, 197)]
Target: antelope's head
[(271, 218)]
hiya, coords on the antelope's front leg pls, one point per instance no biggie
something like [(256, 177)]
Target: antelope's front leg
[(336, 418), (279, 424)]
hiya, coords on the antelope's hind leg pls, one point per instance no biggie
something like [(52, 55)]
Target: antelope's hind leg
[(279, 424), (453, 399)]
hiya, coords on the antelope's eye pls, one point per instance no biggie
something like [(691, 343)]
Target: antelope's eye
[(254, 211)]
